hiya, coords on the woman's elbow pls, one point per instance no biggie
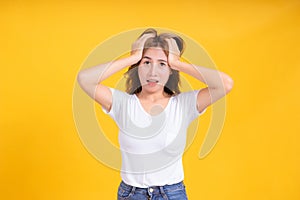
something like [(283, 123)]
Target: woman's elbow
[(228, 83), (81, 77)]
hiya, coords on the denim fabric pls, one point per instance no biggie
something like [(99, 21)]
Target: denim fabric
[(167, 192)]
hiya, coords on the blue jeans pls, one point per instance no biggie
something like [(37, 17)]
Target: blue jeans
[(167, 192)]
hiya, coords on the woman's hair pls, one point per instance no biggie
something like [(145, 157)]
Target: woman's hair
[(133, 84)]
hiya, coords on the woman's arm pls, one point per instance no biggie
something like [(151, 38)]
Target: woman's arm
[(90, 79), (218, 83)]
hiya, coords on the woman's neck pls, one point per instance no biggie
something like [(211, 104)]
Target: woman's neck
[(152, 96)]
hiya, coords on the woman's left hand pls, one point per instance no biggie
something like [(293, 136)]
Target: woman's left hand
[(174, 54)]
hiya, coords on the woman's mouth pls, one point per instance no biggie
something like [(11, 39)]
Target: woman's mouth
[(152, 82)]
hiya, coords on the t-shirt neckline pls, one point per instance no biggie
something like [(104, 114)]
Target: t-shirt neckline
[(148, 114)]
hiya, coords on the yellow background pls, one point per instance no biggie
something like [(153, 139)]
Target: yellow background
[(43, 44)]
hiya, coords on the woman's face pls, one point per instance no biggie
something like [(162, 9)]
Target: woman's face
[(153, 70)]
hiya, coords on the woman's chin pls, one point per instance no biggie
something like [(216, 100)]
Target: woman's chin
[(151, 88)]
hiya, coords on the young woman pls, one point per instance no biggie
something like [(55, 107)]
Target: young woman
[(153, 115)]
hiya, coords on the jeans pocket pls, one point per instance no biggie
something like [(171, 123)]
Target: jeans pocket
[(177, 195), (177, 192), (124, 192)]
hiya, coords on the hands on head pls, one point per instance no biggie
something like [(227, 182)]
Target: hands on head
[(173, 49), (138, 45), (174, 53)]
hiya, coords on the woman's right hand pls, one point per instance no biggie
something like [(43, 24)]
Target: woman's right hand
[(138, 46)]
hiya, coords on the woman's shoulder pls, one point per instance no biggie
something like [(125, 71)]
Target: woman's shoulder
[(120, 94), (186, 93), (119, 91)]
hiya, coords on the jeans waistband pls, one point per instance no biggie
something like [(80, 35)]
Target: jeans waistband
[(153, 189)]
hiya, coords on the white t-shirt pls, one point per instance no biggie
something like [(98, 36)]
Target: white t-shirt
[(152, 146)]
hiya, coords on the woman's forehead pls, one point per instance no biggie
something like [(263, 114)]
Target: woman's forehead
[(155, 53)]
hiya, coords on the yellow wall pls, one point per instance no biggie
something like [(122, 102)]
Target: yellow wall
[(43, 45)]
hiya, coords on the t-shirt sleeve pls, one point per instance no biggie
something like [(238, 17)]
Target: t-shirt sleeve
[(189, 103), (118, 100)]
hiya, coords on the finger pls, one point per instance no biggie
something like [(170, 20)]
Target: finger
[(173, 48), (148, 35), (145, 37), (141, 41), (171, 43)]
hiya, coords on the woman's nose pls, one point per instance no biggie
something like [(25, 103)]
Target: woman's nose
[(153, 69)]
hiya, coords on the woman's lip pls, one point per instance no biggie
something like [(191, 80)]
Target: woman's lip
[(152, 81), (152, 84)]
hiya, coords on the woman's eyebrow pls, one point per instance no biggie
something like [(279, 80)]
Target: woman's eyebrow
[(147, 57), (161, 60)]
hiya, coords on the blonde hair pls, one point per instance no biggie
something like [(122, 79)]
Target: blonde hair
[(133, 84)]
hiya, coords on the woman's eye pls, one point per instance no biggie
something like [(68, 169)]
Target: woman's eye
[(162, 64), (147, 62)]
